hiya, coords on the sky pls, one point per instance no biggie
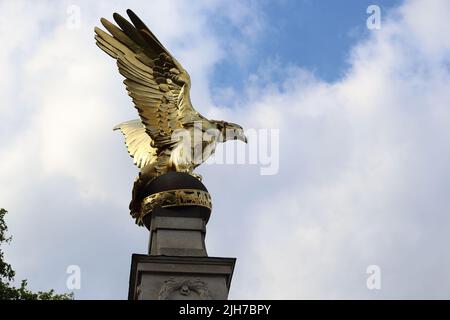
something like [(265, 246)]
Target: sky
[(362, 123)]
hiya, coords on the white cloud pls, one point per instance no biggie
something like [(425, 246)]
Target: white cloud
[(363, 160), (364, 172)]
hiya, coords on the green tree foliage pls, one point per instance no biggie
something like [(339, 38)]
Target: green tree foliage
[(9, 292)]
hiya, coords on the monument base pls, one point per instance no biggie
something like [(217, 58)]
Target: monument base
[(176, 209), (179, 278)]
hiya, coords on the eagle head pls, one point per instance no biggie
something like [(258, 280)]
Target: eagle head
[(230, 131)]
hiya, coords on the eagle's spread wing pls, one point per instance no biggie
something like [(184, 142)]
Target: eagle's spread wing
[(155, 80), (138, 142)]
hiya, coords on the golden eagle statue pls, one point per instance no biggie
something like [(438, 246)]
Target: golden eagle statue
[(159, 87)]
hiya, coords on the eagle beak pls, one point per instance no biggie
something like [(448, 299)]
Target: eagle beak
[(241, 136), (235, 132)]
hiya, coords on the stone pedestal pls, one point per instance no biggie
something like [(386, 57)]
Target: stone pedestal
[(177, 266), (178, 278), (177, 232)]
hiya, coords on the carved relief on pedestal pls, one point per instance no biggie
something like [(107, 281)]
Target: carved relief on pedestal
[(184, 289)]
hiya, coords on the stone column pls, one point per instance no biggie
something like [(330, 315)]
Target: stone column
[(177, 265)]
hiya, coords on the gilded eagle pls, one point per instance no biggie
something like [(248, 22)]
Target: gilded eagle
[(159, 87)]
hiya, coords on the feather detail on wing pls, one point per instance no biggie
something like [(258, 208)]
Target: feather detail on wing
[(157, 83), (138, 142)]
